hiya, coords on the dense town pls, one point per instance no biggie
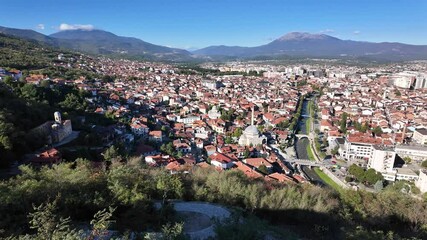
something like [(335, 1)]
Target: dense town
[(202, 120), (286, 123)]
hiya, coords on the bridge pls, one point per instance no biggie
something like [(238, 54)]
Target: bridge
[(302, 162), (301, 135)]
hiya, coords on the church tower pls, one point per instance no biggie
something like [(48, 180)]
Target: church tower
[(57, 116)]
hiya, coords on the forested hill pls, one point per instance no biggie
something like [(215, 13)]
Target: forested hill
[(25, 54), (24, 106)]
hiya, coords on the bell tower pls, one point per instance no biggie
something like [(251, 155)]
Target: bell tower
[(57, 116)]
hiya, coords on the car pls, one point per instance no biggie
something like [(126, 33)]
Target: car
[(334, 162)]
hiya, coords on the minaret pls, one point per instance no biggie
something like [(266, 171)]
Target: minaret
[(404, 134), (252, 119)]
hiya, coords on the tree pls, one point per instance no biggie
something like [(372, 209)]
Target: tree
[(335, 150), (379, 185), (48, 225), (377, 130), (227, 115), (127, 186), (262, 168), (73, 102), (111, 154), (343, 123), (407, 160), (6, 129), (45, 83), (30, 92), (101, 222), (356, 171), (168, 148), (364, 127), (357, 125), (325, 142), (424, 164), (265, 106), (8, 80), (398, 93), (168, 184), (173, 232), (237, 132), (372, 177), (247, 153)]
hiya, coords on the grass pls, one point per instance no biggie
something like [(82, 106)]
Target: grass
[(307, 126), (310, 153), (311, 109), (326, 179), (322, 155)]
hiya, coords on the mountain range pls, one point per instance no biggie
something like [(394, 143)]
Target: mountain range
[(102, 42), (294, 44), (322, 45)]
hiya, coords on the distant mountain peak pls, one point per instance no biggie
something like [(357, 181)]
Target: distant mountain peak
[(292, 36), (83, 34)]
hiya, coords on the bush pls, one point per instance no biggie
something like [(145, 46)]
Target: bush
[(348, 179)]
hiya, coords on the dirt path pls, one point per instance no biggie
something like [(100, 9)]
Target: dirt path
[(198, 217)]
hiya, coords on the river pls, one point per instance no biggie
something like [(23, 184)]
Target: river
[(305, 113), (302, 144)]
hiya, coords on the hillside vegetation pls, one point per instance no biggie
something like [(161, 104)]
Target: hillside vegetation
[(131, 188)]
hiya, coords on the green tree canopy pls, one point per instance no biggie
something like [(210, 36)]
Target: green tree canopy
[(343, 123), (73, 101)]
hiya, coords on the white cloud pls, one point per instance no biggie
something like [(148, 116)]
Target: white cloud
[(327, 31), (40, 26), (357, 32), (65, 26)]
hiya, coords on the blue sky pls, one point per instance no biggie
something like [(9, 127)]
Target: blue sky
[(201, 23)]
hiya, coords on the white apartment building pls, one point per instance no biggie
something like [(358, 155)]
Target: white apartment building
[(417, 153), (211, 84), (421, 81), (421, 183), (404, 79), (353, 150), (420, 135), (400, 174), (382, 159), (188, 119), (201, 132)]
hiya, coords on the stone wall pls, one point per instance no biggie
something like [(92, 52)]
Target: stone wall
[(333, 177)]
